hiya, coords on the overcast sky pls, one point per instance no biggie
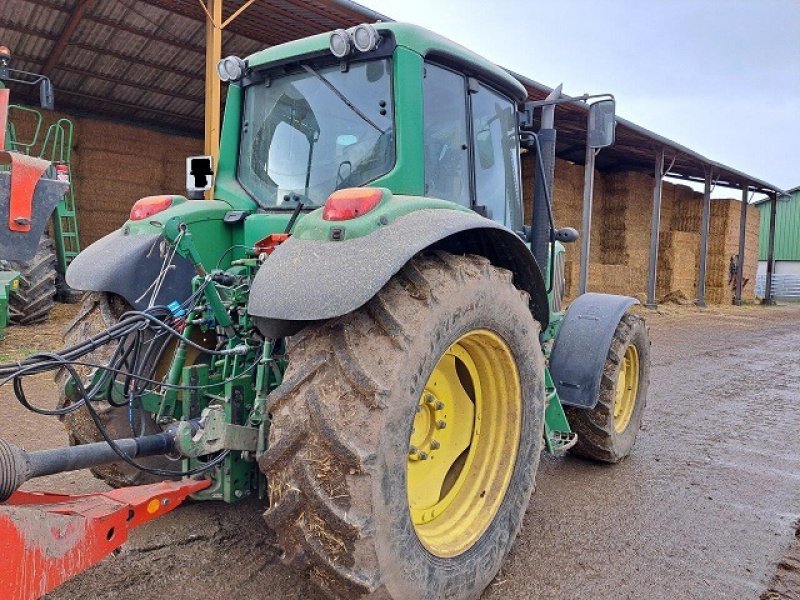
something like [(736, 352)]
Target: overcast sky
[(719, 76)]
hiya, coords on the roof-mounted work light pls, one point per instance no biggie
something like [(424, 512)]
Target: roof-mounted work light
[(340, 43), (365, 37), (231, 68)]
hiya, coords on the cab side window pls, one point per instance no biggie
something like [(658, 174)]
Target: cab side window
[(446, 135), (496, 157)]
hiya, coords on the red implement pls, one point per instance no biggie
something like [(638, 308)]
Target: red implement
[(25, 174), (47, 538)]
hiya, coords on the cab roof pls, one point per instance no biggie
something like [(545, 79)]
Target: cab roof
[(424, 42)]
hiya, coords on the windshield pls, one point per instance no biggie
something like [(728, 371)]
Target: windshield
[(310, 133)]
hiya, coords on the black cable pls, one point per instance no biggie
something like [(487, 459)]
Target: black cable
[(224, 254), (177, 334), (103, 432), (152, 470), (132, 357)]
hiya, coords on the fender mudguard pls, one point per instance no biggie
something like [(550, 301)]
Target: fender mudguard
[(311, 280), (127, 265), (45, 194), (582, 344)]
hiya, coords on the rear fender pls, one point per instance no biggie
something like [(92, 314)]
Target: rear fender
[(127, 264), (312, 280), (26, 202), (582, 344)]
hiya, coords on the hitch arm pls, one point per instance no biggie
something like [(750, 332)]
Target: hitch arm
[(46, 539)]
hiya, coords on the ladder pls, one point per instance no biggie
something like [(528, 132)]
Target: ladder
[(57, 148)]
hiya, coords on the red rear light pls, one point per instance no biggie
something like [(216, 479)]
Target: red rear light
[(269, 243), (148, 206), (350, 203)]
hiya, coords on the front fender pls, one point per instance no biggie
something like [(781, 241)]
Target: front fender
[(312, 280), (582, 344), (127, 264)]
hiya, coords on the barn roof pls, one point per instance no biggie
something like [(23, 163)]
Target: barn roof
[(143, 61)]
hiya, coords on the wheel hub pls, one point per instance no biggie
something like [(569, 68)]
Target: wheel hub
[(430, 420), (627, 389), (463, 443)]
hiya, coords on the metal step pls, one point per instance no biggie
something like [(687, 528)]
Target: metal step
[(561, 441)]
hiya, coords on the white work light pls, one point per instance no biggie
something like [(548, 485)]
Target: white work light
[(340, 43), (231, 68), (365, 37)]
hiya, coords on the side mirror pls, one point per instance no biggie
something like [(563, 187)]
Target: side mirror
[(199, 176), (46, 95), (566, 235), (602, 124)]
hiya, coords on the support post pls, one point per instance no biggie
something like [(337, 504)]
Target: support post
[(773, 210), (737, 298), (704, 227), (655, 227), (213, 90), (586, 223)]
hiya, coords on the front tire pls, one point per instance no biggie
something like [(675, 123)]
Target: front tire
[(608, 431), (348, 499)]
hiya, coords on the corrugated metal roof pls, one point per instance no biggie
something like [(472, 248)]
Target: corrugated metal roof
[(787, 228), (143, 60)]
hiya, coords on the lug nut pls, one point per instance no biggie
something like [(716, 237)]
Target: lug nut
[(418, 408), (428, 398), (423, 456), (435, 445), (439, 405), (441, 424), (412, 450)]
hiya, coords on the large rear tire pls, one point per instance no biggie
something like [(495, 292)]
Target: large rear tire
[(33, 300), (608, 431), (98, 312), (448, 348)]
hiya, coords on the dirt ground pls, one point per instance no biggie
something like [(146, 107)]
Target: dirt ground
[(707, 506)]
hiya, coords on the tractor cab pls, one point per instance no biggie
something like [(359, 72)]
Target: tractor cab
[(392, 106)]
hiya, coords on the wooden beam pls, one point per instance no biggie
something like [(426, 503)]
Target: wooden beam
[(66, 34), (121, 81), (141, 61), (122, 26), (213, 95), (279, 31), (132, 107)]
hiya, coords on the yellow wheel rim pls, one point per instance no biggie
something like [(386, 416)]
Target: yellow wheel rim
[(464, 443), (626, 389)]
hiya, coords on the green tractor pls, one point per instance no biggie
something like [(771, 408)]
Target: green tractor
[(358, 328)]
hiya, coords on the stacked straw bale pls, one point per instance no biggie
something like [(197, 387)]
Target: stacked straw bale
[(121, 163), (115, 164), (620, 244)]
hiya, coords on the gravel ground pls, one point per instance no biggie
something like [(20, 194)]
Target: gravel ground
[(706, 507)]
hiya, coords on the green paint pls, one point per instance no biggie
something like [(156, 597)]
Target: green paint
[(390, 208), (9, 280), (787, 228), (557, 433), (198, 230), (412, 37)]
